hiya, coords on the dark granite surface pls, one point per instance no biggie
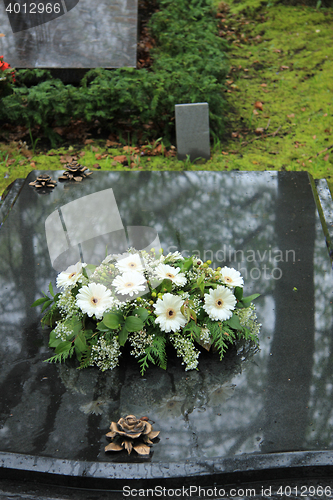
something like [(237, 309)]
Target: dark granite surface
[(254, 411)]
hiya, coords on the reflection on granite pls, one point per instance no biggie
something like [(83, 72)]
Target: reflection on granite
[(275, 400), (91, 35)]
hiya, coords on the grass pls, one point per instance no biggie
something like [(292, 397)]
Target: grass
[(279, 89)]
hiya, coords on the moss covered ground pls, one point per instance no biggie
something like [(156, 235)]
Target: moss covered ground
[(279, 89)]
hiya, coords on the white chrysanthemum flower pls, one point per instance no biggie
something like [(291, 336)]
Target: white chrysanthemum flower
[(130, 263), (219, 303), (70, 277), (130, 283), (231, 277), (163, 271), (168, 313), (172, 257), (94, 299)]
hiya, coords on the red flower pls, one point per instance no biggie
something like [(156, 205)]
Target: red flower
[(4, 66)]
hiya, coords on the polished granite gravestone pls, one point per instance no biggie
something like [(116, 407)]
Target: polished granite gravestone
[(257, 414), (85, 35), (192, 131)]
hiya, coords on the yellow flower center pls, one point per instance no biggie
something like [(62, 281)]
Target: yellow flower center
[(170, 313), (219, 303), (129, 284), (132, 265), (94, 300), (228, 279), (170, 276), (72, 275)]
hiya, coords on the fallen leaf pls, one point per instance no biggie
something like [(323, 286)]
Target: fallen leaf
[(82, 153), (314, 137), (277, 50), (292, 115), (26, 153), (98, 157), (96, 165), (120, 158), (224, 153), (234, 134), (255, 163), (259, 131), (326, 157), (284, 67), (94, 149), (258, 105), (59, 130), (88, 141), (109, 143), (303, 109), (263, 85), (33, 164), (325, 114), (255, 112)]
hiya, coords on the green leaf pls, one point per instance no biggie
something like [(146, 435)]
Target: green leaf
[(112, 320), (53, 340), (122, 337), (200, 279), (238, 292), (233, 322), (249, 299), (51, 289), (141, 312), (166, 286), (63, 347), (74, 324), (38, 302), (186, 264), (80, 342), (89, 269), (47, 304), (133, 324)]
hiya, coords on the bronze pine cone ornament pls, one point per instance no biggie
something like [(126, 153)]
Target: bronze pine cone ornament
[(74, 171), (43, 182), (131, 433)]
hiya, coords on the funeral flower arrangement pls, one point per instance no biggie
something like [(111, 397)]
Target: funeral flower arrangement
[(146, 301)]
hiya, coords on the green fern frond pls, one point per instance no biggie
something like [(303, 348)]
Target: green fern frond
[(58, 358)]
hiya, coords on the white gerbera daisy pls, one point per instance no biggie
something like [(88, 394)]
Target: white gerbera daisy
[(130, 263), (94, 299), (69, 277), (219, 303), (231, 277), (163, 271), (130, 283), (168, 313)]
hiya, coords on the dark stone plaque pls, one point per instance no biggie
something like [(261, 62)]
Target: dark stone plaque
[(254, 412), (69, 34)]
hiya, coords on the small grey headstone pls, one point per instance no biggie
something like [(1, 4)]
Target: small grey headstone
[(192, 130)]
